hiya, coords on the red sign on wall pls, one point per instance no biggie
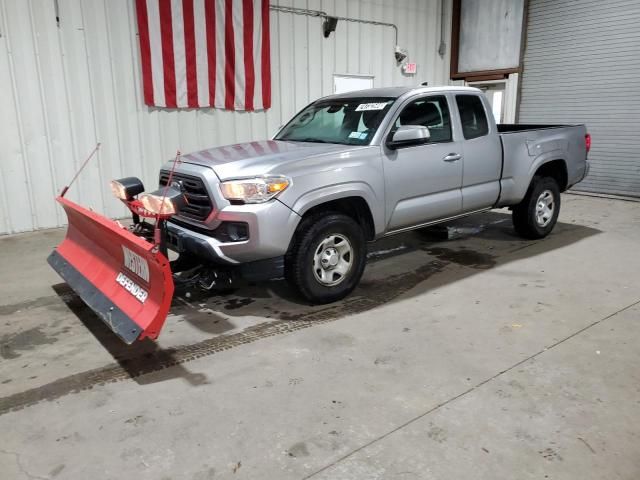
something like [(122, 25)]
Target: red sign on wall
[(410, 67)]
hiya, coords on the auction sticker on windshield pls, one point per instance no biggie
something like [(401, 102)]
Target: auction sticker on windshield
[(358, 135), (370, 106)]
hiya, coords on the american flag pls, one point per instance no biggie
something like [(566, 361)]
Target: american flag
[(205, 53)]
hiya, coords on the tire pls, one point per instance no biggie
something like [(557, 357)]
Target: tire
[(327, 257), (537, 214)]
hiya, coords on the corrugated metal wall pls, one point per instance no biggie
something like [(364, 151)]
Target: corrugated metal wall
[(64, 87), (582, 65)]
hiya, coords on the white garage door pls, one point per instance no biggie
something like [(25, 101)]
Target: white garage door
[(582, 65)]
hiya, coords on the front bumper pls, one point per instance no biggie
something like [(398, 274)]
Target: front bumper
[(270, 228)]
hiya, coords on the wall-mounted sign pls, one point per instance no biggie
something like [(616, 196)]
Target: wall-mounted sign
[(410, 68)]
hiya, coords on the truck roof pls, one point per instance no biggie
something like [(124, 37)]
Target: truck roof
[(397, 92)]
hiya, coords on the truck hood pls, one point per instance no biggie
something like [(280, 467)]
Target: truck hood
[(262, 157)]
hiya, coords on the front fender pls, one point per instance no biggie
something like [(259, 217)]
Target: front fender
[(337, 191)]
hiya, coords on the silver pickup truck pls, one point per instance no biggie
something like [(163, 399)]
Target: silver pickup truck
[(356, 167), (347, 170)]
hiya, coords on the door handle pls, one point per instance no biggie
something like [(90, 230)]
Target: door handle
[(452, 157)]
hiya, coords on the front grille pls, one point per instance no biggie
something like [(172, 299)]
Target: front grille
[(199, 204)]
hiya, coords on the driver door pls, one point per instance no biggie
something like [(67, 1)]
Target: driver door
[(423, 182)]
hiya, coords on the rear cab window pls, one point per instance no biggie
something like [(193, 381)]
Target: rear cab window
[(431, 112), (472, 116)]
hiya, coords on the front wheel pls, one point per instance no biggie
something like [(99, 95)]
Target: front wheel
[(327, 257), (537, 214)]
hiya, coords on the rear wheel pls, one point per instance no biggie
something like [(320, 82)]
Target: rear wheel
[(537, 214), (327, 257)]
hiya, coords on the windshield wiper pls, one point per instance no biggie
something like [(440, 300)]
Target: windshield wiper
[(309, 140)]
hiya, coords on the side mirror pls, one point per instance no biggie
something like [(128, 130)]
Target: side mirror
[(409, 135)]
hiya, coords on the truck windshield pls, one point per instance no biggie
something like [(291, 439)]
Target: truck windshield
[(349, 121)]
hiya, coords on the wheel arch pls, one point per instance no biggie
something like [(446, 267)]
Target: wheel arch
[(354, 207), (555, 168), (354, 200)]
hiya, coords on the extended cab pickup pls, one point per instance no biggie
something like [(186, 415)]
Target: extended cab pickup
[(355, 167)]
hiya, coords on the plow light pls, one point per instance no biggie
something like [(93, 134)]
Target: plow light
[(254, 190), (166, 201), (126, 188)]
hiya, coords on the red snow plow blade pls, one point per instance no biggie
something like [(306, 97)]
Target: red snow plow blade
[(122, 277)]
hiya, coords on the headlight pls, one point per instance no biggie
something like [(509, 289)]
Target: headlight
[(254, 190), (126, 188), (166, 201)]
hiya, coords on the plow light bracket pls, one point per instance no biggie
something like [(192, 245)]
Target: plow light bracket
[(126, 188)]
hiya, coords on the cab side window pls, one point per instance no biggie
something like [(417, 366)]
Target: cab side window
[(472, 116), (430, 112)]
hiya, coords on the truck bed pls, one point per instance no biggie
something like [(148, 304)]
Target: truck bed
[(526, 146)]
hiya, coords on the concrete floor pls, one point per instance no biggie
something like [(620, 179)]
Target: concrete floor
[(484, 357)]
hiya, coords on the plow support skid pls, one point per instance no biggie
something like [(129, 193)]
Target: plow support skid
[(122, 277)]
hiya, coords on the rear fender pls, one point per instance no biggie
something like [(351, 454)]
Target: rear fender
[(515, 188)]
